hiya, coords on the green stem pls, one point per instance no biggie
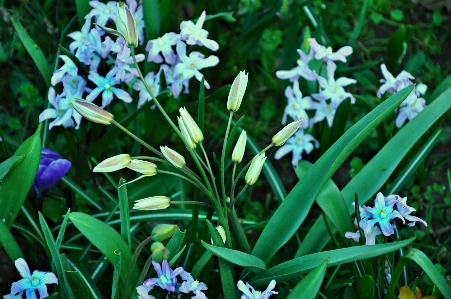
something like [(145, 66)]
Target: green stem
[(239, 232), (151, 159), (178, 175), (210, 170), (188, 202), (239, 194), (142, 142)]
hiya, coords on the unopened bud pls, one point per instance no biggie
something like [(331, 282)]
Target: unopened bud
[(173, 157), (159, 252), (113, 163), (191, 126), (254, 170), (152, 203), (238, 151), (163, 231), (126, 25), (237, 90), (282, 136), (144, 167), (185, 133), (92, 112)]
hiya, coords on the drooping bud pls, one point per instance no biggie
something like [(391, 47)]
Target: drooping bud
[(126, 25), (237, 90), (254, 170), (163, 231), (191, 126), (185, 133), (114, 163), (159, 252), (238, 151), (144, 167), (173, 157), (92, 112), (281, 137), (152, 203)]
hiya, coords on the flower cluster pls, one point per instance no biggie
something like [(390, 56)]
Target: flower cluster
[(250, 293), (324, 103), (109, 62), (380, 219), (167, 279), (413, 104)]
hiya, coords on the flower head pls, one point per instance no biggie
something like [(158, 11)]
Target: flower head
[(126, 25), (250, 293), (391, 84), (52, 167), (193, 34), (173, 157), (327, 54), (145, 167), (32, 282), (301, 70), (191, 126), (166, 278), (297, 104), (92, 112)]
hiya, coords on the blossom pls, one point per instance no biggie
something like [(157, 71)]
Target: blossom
[(382, 214), (152, 203), (405, 211), (69, 67), (164, 45), (409, 108), (199, 295), (137, 11), (80, 37), (193, 34), (236, 92), (189, 66), (153, 81), (191, 285), (250, 293), (122, 70), (282, 136), (102, 12), (301, 70), (297, 144), (143, 292), (52, 167), (324, 110), (297, 105), (369, 232), (32, 282), (166, 277), (105, 86), (391, 84), (327, 54), (333, 89)]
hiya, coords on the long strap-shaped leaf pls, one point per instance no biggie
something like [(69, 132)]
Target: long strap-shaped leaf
[(293, 210), (374, 175)]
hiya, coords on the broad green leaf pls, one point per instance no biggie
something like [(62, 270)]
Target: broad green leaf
[(12, 197), (85, 276), (151, 13), (365, 287), (226, 16), (125, 212), (304, 264), (33, 49), (200, 264), (175, 243), (308, 287), (395, 49), (415, 63), (236, 257), (293, 210), (83, 8), (376, 172), (444, 85), (9, 165), (330, 200), (9, 243), (106, 239)]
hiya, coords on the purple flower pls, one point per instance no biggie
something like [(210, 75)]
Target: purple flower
[(52, 168), (166, 277)]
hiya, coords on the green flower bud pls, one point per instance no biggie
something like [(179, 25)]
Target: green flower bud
[(173, 157), (281, 137), (254, 170), (191, 126), (92, 112), (185, 133), (113, 163), (163, 231), (144, 167), (237, 90), (126, 25), (238, 151), (152, 203), (159, 252)]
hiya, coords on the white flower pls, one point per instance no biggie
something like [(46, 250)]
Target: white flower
[(323, 111), (297, 144), (106, 87), (327, 54), (369, 232), (250, 293), (164, 45), (69, 67), (409, 108), (297, 105), (153, 81), (102, 12), (333, 89), (123, 71), (392, 84), (302, 70), (193, 34)]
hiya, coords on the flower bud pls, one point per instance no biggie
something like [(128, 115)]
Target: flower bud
[(126, 25), (185, 133), (113, 163), (152, 203), (254, 170), (163, 231), (144, 167), (173, 157), (238, 151), (92, 112), (237, 90), (287, 131), (191, 126), (221, 232), (159, 252)]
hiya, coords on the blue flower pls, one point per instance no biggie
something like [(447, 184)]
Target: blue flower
[(167, 278), (251, 293), (382, 215), (31, 283), (189, 284), (52, 168)]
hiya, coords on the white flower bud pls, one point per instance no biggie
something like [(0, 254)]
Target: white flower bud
[(191, 126), (92, 112), (238, 151), (144, 167), (114, 163), (185, 133), (237, 90), (152, 203), (281, 137), (173, 157), (254, 170)]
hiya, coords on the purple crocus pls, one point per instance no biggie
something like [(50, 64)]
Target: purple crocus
[(52, 168)]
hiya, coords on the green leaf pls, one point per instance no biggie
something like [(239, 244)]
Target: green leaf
[(443, 86), (226, 16), (11, 197), (71, 184), (35, 52), (201, 108), (239, 258), (107, 240), (309, 286), (116, 273), (200, 264), (89, 284), (151, 13), (9, 243), (304, 264), (293, 210), (415, 63), (83, 8), (397, 14), (395, 49), (125, 212), (9, 165), (358, 28), (365, 287), (175, 243)]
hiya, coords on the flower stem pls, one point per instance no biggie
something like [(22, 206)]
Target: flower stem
[(180, 176), (191, 203)]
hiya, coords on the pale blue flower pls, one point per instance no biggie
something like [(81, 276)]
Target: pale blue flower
[(250, 293), (370, 232), (191, 285), (163, 45), (327, 54), (382, 215), (106, 87), (405, 211), (102, 12), (297, 105), (409, 108), (153, 81), (199, 295), (122, 70), (298, 144), (301, 70), (9, 296), (143, 292), (391, 84), (324, 110), (193, 34), (69, 67), (32, 282), (166, 277)]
